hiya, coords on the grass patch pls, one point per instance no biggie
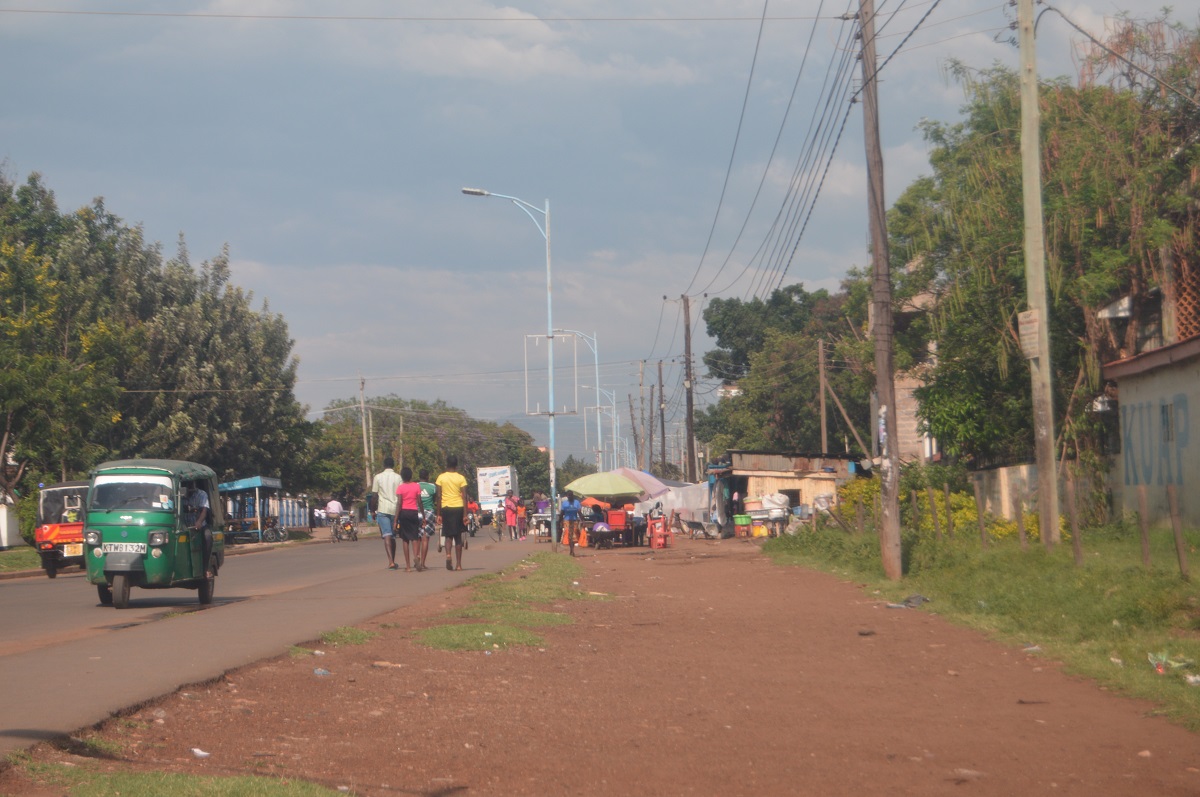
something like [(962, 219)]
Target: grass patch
[(1102, 619), (507, 614), (505, 601), (84, 783), (297, 652), (476, 636), (23, 558), (348, 635)]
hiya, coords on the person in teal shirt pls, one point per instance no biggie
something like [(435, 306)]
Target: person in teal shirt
[(428, 522)]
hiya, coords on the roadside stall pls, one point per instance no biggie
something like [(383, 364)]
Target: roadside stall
[(252, 508)]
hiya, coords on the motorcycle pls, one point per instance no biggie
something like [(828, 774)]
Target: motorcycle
[(472, 523), (343, 529)]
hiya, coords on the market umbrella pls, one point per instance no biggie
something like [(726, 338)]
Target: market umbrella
[(605, 484), (595, 502), (651, 487)]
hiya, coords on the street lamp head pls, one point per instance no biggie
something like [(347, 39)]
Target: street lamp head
[(475, 192)]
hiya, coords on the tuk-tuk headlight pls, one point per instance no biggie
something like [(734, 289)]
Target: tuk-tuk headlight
[(91, 537), (158, 538)]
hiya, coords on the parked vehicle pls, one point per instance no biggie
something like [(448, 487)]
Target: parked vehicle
[(138, 532), (59, 533)]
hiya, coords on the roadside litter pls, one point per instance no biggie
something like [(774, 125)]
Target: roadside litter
[(911, 602), (1161, 662)]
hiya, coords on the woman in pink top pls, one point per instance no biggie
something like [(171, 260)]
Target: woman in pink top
[(408, 516)]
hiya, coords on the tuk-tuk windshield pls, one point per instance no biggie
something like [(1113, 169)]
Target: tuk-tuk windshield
[(131, 491), (61, 504)]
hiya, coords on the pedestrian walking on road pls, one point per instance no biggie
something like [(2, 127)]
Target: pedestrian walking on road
[(451, 504), (510, 515), (428, 517), (408, 516), (570, 516), (384, 486)]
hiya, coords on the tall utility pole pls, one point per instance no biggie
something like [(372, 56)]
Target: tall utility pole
[(362, 413), (650, 436), (1038, 314), (881, 304), (688, 384), (662, 421), (821, 372), (642, 456), (637, 443)]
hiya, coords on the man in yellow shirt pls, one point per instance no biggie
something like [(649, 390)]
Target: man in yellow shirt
[(451, 502)]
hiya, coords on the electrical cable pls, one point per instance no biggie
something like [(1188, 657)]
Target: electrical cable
[(733, 152), (770, 158)]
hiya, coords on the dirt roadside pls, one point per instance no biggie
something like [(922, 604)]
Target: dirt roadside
[(710, 671)]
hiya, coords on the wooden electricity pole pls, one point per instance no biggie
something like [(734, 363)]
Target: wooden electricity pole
[(1035, 322), (650, 436), (881, 305), (821, 372)]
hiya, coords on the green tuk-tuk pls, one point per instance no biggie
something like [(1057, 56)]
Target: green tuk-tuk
[(140, 528)]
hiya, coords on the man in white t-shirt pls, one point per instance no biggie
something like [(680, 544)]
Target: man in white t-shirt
[(384, 486)]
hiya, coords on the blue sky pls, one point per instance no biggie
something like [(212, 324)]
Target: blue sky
[(326, 143)]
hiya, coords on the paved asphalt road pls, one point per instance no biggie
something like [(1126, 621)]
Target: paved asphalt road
[(66, 671)]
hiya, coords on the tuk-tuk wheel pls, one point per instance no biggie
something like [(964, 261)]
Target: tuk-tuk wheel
[(120, 591), (51, 570), (105, 594), (206, 590)]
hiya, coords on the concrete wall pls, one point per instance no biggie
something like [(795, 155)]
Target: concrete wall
[(1002, 484), (1157, 444)]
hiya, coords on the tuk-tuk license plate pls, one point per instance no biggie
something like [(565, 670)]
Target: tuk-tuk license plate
[(124, 547), (73, 549)]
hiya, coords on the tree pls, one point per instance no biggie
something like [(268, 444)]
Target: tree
[(774, 347), (54, 386), (571, 469)]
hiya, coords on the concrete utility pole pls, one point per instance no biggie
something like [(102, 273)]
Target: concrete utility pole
[(1035, 322), (690, 472), (637, 442), (881, 304), (662, 421), (643, 457), (650, 436)]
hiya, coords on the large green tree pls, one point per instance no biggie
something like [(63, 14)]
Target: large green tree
[(1119, 195), (112, 352), (772, 347)]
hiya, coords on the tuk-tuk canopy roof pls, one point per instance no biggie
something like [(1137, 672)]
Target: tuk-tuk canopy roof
[(65, 485), (251, 483), (180, 468)]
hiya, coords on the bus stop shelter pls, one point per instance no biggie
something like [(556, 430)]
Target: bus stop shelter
[(252, 508)]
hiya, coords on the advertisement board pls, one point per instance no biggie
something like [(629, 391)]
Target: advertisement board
[(494, 484)]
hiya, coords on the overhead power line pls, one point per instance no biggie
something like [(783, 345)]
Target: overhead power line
[(389, 18)]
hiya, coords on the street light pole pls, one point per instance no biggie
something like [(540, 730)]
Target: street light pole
[(544, 229)]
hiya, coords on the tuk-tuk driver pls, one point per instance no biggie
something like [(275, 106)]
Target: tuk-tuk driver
[(197, 502)]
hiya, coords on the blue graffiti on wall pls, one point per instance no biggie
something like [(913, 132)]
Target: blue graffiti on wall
[(1153, 437)]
